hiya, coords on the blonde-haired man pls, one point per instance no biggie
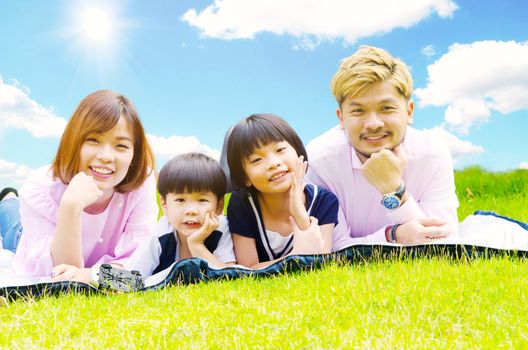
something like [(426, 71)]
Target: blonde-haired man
[(393, 182)]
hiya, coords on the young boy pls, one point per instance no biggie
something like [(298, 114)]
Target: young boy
[(192, 188)]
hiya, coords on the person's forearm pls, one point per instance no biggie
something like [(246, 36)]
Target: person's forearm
[(327, 233), (199, 250), (302, 219), (264, 264), (66, 246)]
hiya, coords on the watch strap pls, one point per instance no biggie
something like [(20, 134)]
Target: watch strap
[(400, 190)]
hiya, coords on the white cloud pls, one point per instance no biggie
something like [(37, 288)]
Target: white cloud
[(458, 147), (523, 165), (428, 51), (305, 43), (474, 79), (311, 21), (169, 147), (12, 172), (19, 111)]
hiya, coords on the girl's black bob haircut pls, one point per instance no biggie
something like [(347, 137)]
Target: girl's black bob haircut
[(192, 172), (252, 132)]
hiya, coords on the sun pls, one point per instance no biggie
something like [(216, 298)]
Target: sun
[(96, 25), (96, 34)]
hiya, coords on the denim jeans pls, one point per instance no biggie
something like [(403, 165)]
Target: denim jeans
[(10, 225)]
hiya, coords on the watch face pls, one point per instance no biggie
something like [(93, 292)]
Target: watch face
[(391, 202)]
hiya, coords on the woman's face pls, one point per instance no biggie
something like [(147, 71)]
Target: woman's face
[(107, 156)]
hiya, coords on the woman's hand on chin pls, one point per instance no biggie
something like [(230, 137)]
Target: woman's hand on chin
[(81, 192)]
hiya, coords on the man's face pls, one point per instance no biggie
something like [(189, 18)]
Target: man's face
[(375, 120)]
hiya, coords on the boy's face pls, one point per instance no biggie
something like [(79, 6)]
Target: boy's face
[(376, 119), (186, 211)]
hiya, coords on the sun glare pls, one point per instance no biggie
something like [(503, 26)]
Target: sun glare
[(96, 33), (96, 26)]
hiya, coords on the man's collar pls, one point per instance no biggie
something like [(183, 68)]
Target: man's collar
[(354, 158)]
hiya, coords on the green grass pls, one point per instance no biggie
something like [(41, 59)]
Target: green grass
[(397, 303), (505, 193)]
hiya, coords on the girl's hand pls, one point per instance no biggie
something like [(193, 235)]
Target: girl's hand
[(297, 208), (81, 192), (211, 223), (309, 241)]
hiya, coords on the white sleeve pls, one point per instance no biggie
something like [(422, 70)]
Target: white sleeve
[(163, 226), (145, 258), (224, 251)]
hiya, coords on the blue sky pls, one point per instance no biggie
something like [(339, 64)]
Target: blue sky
[(193, 68)]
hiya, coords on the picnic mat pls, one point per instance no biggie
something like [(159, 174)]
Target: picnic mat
[(483, 235)]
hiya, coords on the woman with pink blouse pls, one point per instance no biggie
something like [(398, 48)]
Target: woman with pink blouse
[(96, 201)]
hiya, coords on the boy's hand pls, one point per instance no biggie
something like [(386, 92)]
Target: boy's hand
[(211, 223), (309, 241), (297, 208)]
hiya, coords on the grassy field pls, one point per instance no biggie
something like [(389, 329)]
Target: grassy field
[(505, 193), (420, 303)]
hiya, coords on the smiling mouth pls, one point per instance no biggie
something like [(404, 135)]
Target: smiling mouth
[(375, 137), (101, 171), (191, 222), (278, 176)]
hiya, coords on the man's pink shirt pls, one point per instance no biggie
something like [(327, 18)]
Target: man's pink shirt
[(428, 176), (110, 236)]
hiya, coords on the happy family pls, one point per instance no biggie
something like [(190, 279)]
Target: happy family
[(372, 179)]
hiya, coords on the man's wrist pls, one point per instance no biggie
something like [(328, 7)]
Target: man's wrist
[(394, 200), (393, 236), (390, 233), (388, 188), (387, 233)]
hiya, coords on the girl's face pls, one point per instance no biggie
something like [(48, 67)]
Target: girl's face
[(107, 156), (268, 168)]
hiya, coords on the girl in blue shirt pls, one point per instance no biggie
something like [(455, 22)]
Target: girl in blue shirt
[(271, 212)]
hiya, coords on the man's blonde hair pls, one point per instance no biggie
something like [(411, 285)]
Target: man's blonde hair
[(367, 66)]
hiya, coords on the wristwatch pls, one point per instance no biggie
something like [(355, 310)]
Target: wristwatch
[(393, 200)]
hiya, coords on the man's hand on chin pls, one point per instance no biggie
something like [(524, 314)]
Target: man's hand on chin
[(384, 169)]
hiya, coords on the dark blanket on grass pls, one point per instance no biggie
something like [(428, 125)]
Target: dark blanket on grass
[(197, 270)]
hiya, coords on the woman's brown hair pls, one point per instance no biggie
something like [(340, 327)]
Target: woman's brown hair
[(99, 112)]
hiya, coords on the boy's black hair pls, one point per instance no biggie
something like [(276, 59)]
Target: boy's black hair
[(192, 172), (6, 191), (252, 132)]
